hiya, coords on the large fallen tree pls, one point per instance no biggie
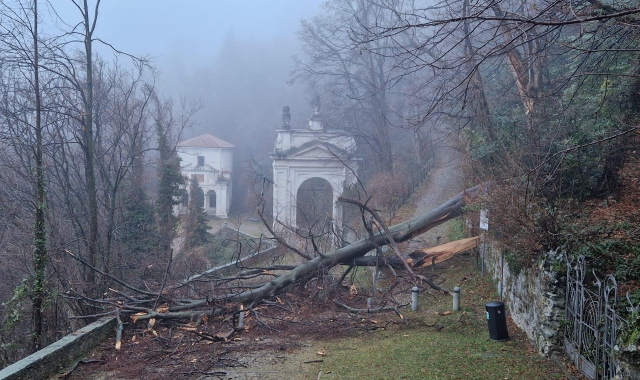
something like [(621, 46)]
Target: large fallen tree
[(165, 304)]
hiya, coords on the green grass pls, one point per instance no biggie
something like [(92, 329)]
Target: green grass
[(456, 229), (228, 245), (422, 353), (460, 349)]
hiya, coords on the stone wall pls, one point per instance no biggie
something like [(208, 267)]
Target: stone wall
[(54, 358), (534, 297), (535, 300)]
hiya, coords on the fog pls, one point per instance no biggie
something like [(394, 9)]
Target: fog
[(228, 56), (231, 60)]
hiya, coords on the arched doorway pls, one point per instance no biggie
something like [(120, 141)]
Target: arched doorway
[(184, 198), (211, 194), (314, 206)]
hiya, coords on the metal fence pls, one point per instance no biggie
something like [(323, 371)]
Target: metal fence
[(415, 180), (591, 321)]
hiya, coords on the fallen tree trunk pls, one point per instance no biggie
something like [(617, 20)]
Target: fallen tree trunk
[(400, 232)]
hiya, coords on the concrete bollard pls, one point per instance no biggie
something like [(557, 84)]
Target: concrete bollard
[(456, 298), (414, 298)]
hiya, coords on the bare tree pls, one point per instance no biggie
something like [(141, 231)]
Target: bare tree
[(48, 86), (541, 93), (21, 60), (360, 85)]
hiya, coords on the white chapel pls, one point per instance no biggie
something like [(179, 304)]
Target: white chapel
[(208, 159)]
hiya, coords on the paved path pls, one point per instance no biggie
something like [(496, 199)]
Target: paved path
[(247, 227), (445, 180)]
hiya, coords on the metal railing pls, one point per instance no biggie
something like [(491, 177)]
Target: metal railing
[(591, 322)]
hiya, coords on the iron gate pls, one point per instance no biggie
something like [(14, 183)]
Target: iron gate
[(591, 322)]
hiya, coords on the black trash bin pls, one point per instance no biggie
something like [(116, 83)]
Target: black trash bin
[(497, 321)]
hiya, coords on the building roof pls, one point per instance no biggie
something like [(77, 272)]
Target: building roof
[(205, 141)]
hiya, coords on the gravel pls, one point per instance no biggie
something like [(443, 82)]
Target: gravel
[(445, 180)]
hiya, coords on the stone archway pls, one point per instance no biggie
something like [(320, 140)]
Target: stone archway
[(314, 206), (324, 158)]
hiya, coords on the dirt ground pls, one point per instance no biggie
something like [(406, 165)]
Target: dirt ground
[(286, 340), (278, 343)]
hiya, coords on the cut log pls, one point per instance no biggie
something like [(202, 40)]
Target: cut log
[(434, 255), (423, 257)]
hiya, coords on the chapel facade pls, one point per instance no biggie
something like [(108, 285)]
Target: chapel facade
[(209, 160), (311, 168)]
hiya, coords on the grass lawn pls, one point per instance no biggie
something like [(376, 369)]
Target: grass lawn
[(430, 346)]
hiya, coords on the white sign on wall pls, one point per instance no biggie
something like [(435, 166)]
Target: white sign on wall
[(484, 220)]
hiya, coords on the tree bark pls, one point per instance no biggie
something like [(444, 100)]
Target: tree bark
[(479, 106), (90, 176), (39, 230)]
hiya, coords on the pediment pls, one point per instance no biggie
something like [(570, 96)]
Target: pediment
[(316, 149), (314, 152)]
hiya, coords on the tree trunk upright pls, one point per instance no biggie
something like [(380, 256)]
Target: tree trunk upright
[(39, 231), (89, 148)]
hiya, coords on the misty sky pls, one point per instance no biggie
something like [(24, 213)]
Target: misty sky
[(183, 35)]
